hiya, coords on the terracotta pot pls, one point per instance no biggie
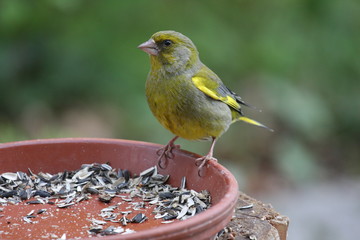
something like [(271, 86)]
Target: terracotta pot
[(56, 155)]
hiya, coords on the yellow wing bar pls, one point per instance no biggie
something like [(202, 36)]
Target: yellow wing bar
[(210, 88)]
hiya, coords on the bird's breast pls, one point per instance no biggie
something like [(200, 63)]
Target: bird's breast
[(185, 111)]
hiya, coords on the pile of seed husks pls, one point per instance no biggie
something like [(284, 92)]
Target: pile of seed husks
[(67, 188)]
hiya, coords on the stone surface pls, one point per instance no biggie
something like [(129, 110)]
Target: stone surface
[(255, 220)]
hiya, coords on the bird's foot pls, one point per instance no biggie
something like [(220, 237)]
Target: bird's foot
[(201, 162), (166, 153)]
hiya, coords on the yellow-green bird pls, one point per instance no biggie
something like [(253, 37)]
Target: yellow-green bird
[(187, 97)]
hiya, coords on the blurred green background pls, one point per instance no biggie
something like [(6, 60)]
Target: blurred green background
[(70, 68)]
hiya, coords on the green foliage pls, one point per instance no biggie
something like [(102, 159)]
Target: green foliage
[(297, 60)]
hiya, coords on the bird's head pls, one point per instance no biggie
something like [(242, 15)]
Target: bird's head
[(171, 51)]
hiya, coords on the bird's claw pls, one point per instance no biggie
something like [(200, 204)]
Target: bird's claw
[(201, 162), (166, 153)]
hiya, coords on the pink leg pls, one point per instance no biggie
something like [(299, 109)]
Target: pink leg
[(166, 152), (202, 161)]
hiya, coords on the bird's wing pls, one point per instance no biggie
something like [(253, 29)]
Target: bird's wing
[(210, 84)]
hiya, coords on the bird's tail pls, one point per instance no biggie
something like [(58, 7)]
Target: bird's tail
[(253, 122)]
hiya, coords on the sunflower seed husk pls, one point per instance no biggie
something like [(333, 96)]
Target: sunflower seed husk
[(34, 202), (139, 218), (112, 230), (40, 211), (9, 176)]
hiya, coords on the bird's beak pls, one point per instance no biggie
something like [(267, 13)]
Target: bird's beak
[(149, 47)]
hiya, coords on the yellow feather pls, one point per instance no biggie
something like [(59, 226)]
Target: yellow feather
[(200, 85), (232, 102), (204, 85), (253, 122)]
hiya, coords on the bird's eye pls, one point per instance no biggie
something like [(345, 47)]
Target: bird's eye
[(167, 42)]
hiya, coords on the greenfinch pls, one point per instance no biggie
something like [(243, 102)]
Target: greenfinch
[(187, 97)]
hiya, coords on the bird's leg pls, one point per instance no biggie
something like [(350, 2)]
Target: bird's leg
[(200, 162), (166, 152)]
